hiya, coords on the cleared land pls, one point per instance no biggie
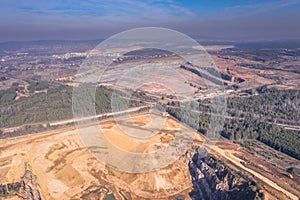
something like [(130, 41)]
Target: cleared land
[(65, 169)]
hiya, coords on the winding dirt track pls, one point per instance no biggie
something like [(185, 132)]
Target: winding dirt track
[(237, 161)]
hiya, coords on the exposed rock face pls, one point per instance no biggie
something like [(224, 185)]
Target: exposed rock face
[(213, 180), (9, 189), (29, 187)]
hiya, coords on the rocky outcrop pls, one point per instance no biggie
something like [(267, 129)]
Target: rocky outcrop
[(26, 188), (213, 180), (30, 188), (10, 189)]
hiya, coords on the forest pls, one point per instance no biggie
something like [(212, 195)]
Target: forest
[(271, 104), (53, 105), (253, 117)]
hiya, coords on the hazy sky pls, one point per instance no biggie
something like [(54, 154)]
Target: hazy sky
[(96, 19)]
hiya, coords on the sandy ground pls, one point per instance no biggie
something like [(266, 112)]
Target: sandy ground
[(115, 133), (65, 169)]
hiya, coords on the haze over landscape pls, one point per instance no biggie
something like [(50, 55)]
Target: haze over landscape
[(140, 100), (92, 19)]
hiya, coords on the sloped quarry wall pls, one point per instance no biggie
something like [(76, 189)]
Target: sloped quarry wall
[(213, 180)]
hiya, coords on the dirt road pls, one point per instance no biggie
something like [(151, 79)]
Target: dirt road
[(237, 161)]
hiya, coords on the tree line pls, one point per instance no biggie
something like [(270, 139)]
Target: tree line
[(53, 105), (252, 118)]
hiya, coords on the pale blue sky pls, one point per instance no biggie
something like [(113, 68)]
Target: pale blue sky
[(94, 19)]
